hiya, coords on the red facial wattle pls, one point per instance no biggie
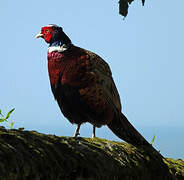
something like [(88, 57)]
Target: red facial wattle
[(47, 32)]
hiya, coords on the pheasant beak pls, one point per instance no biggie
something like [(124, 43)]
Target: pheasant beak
[(39, 35)]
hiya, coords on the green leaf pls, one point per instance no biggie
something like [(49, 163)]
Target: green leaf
[(11, 124), (1, 113), (2, 120), (153, 140), (8, 115)]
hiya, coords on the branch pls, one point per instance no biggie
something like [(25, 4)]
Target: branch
[(31, 155)]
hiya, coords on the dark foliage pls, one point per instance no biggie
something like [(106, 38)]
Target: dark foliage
[(124, 5)]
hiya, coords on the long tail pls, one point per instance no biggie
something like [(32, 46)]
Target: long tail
[(122, 128)]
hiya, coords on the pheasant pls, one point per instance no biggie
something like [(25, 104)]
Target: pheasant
[(82, 85)]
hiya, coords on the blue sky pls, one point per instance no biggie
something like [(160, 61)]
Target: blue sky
[(144, 51)]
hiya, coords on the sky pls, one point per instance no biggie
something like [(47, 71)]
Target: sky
[(144, 51)]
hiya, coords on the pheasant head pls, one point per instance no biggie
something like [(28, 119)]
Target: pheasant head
[(54, 35)]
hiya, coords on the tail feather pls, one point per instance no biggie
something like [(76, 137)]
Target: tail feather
[(122, 128)]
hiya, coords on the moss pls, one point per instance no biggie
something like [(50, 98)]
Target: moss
[(32, 155), (176, 167)]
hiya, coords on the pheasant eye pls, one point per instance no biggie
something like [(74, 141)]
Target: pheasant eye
[(47, 31)]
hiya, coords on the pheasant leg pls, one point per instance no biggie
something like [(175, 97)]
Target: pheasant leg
[(94, 129), (77, 130)]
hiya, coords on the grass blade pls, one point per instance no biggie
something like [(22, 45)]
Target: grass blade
[(11, 124), (1, 113), (8, 115), (153, 140)]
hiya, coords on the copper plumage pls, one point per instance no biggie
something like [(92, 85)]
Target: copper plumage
[(82, 84)]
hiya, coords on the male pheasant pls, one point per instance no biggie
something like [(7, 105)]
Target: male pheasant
[(82, 84)]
